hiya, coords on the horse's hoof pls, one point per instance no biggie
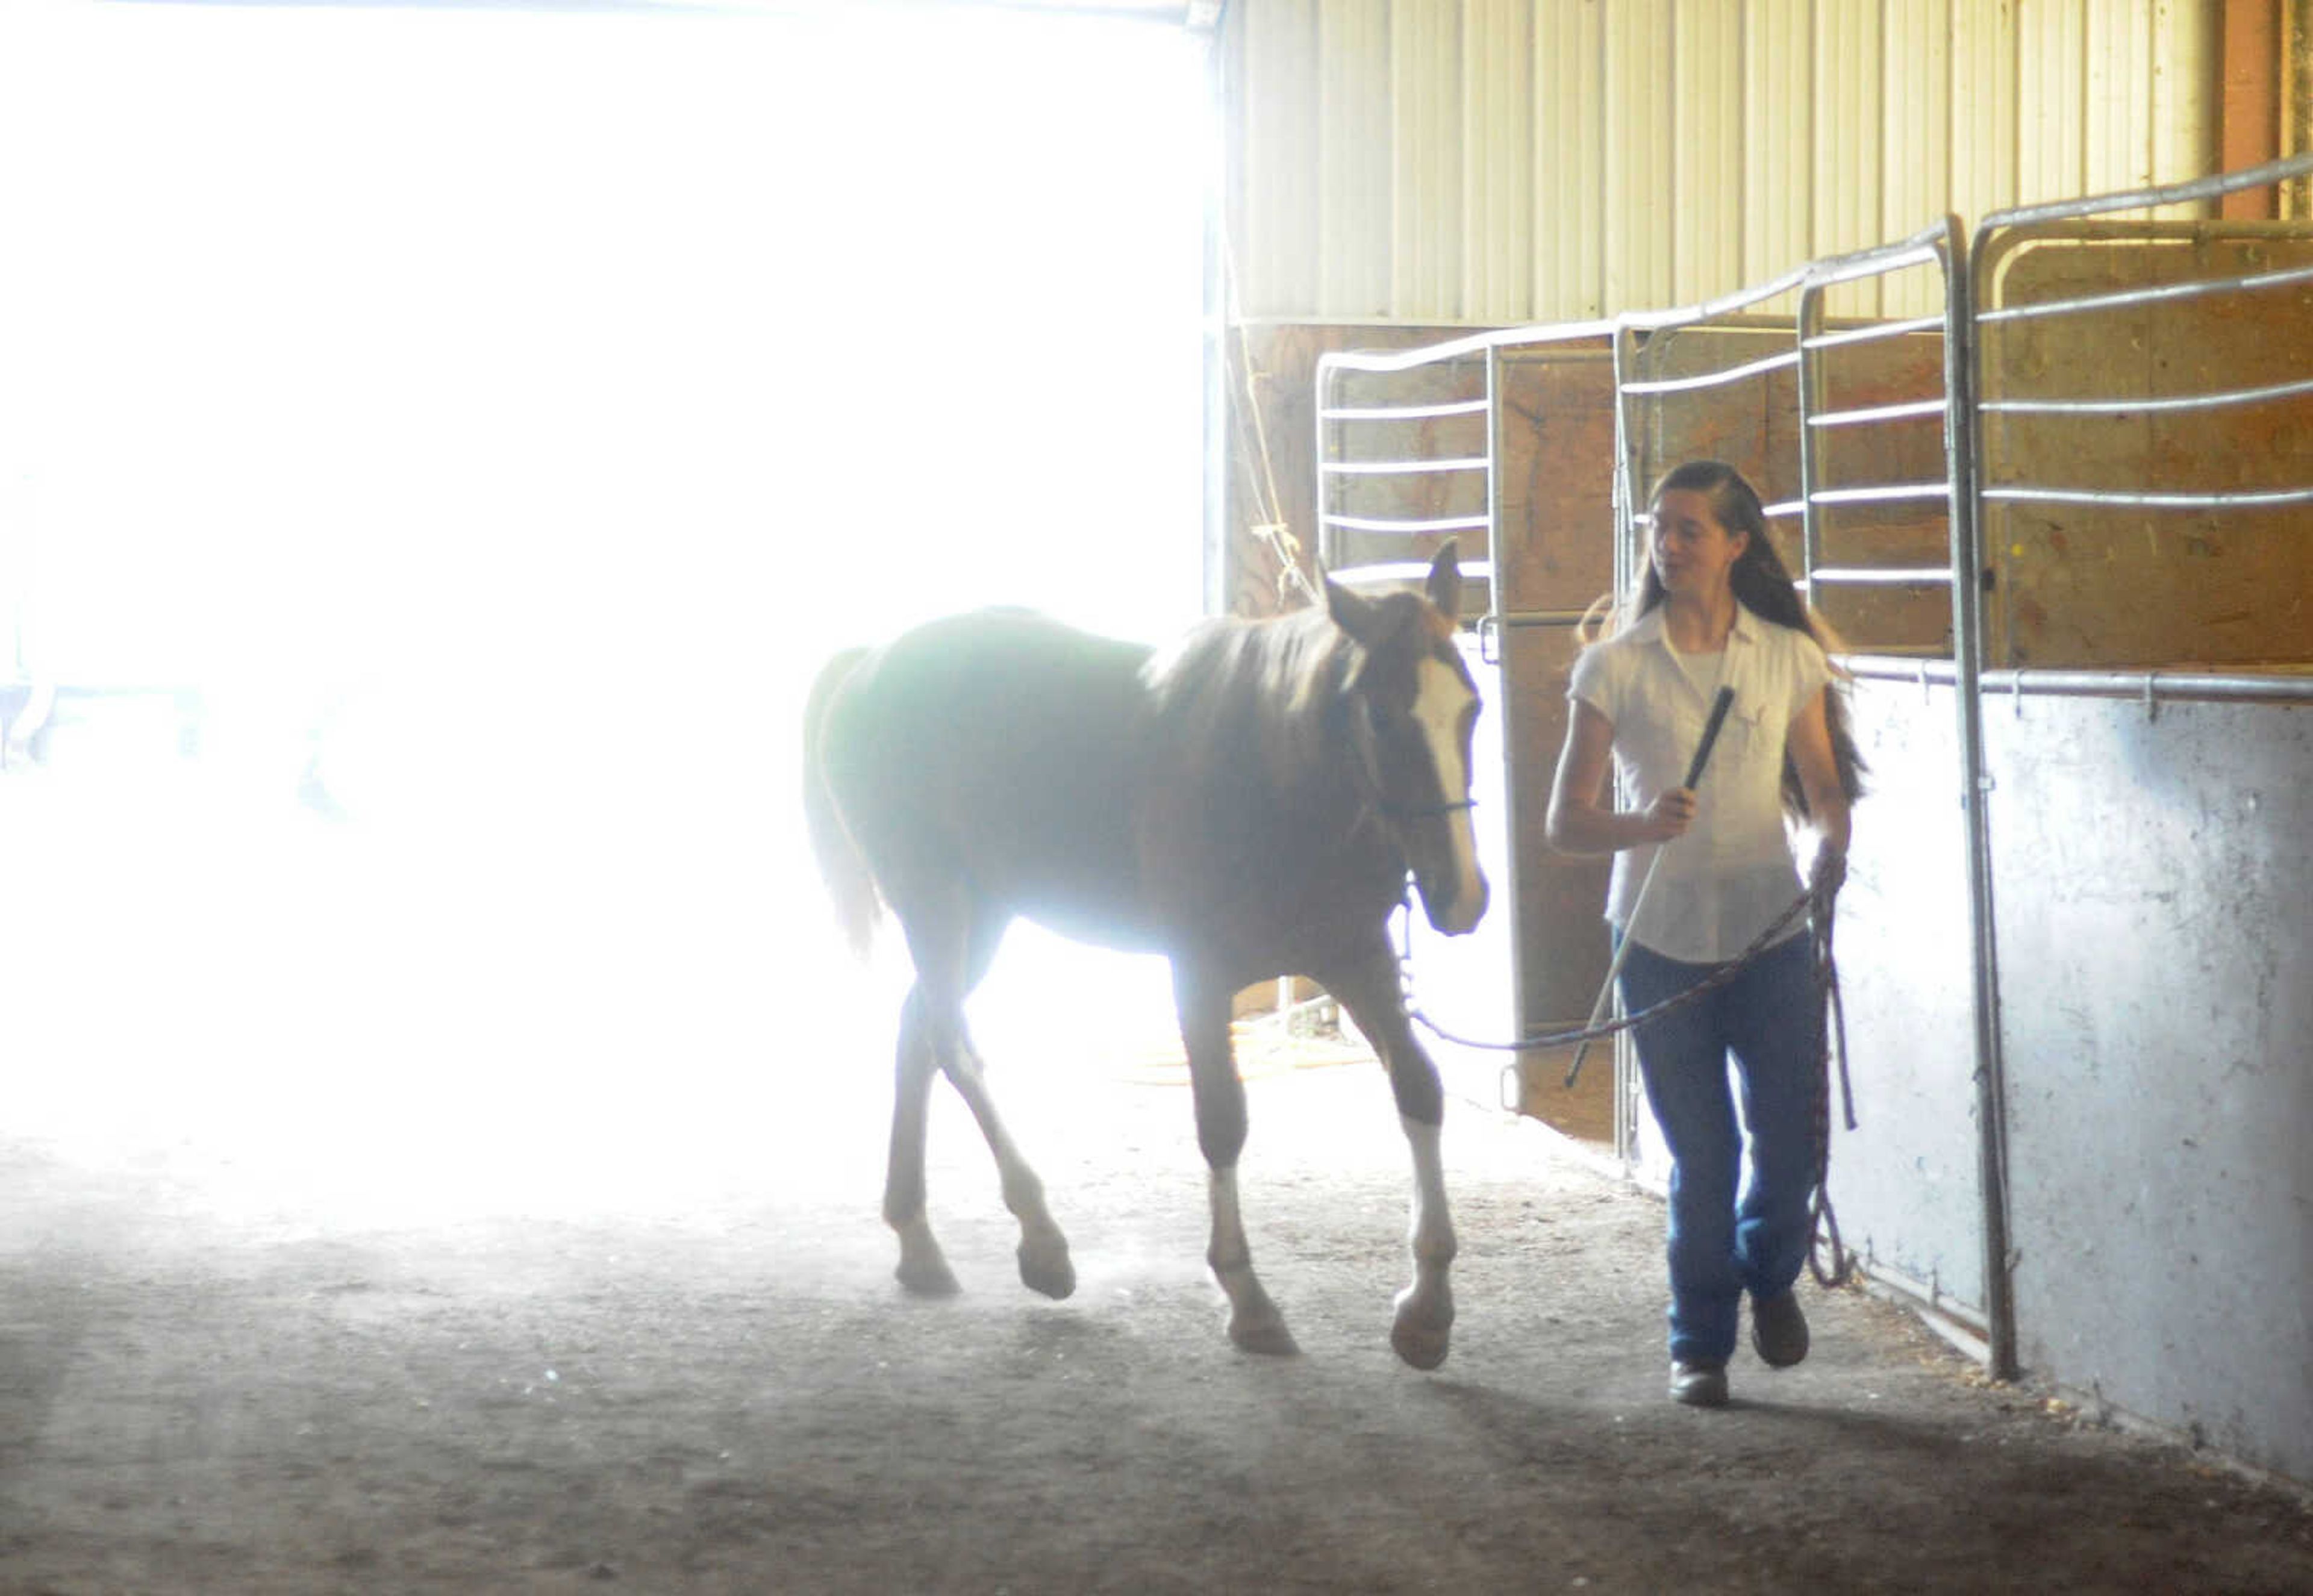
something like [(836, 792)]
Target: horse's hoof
[(931, 1278), (1423, 1347), (1048, 1270), (1267, 1336), (1422, 1337)]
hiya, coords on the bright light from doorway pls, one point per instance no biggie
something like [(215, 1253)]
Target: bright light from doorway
[(496, 414)]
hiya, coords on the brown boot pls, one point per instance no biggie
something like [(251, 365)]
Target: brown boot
[(1779, 1330)]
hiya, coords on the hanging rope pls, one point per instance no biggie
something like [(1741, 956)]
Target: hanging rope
[(1271, 528)]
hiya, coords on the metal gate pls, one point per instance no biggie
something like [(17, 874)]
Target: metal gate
[(2058, 516), (1500, 430), (2144, 457), (1854, 434)]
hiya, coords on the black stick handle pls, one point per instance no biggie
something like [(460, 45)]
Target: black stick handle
[(1719, 708)]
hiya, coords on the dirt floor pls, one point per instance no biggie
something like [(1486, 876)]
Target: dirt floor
[(214, 1380)]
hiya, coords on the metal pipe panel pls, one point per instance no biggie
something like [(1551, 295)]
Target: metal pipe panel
[(1960, 368), (1406, 526), (1890, 492), (2167, 294), (1892, 575), (2155, 992), (1919, 409), (1402, 412), (2138, 200), (2214, 687), (2151, 501), (1908, 1180), (1476, 343), (1734, 373), (1872, 332), (2133, 407), (1400, 468)]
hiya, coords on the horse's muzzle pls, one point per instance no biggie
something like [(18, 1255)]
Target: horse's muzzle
[(1455, 907)]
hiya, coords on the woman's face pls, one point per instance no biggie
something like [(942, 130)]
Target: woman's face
[(1692, 552)]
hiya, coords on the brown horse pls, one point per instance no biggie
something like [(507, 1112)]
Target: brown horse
[(1247, 802)]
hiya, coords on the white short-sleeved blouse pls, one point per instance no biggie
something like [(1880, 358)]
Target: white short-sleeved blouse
[(1732, 873)]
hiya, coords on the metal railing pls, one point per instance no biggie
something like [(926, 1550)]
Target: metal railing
[(1939, 247), (1636, 333), (1342, 462), (2022, 392)]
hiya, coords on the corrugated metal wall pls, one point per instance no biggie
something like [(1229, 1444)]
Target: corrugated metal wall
[(1504, 161)]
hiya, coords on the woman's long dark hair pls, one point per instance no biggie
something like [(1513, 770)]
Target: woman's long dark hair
[(1764, 585)]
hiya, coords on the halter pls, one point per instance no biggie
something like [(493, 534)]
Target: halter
[(1367, 780), (1424, 811)]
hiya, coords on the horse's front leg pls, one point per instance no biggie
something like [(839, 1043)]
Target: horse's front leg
[(1369, 989), (1255, 1323)]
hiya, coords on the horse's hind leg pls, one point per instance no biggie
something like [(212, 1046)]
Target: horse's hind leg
[(951, 952), (1369, 989), (1044, 1262), (1255, 1323), (922, 1267)]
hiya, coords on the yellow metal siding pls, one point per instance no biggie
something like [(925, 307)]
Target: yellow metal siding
[(1495, 160), (1778, 137), (1638, 168), (1568, 155), (1984, 144), (2187, 95), (2052, 98), (1850, 70), (1275, 221), (1498, 173), (1706, 175), (1426, 210), (1355, 161), (1916, 171), (2119, 105)]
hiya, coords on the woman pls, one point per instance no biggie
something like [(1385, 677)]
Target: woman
[(1717, 609)]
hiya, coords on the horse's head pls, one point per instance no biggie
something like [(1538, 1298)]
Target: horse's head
[(1413, 707)]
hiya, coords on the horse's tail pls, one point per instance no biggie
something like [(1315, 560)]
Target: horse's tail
[(841, 864)]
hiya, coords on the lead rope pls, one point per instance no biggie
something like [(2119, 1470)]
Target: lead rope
[(1720, 975), (1831, 1028), (1831, 1033)]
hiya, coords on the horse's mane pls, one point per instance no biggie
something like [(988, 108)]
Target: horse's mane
[(1256, 695)]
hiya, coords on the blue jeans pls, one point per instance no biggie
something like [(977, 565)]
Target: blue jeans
[(1770, 1018)]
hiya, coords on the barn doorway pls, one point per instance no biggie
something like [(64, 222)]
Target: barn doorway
[(440, 441)]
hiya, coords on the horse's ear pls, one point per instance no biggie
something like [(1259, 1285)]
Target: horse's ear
[(1359, 617), (1444, 584)]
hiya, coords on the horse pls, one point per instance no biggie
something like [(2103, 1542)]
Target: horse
[(1248, 800)]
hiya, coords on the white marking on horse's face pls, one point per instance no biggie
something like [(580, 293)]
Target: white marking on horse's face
[(1441, 708)]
